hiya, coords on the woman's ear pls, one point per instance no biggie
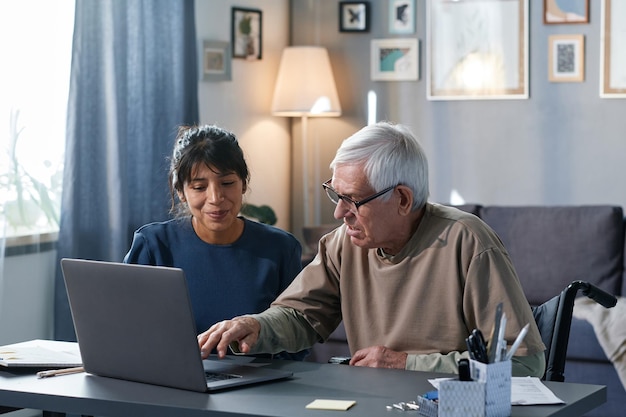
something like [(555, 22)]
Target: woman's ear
[(406, 199), (181, 196)]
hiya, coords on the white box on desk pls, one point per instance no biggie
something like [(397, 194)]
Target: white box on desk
[(488, 395)]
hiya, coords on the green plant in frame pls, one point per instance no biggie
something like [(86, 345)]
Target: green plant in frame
[(245, 25), (26, 197)]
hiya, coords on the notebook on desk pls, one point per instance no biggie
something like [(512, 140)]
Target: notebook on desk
[(39, 353), (135, 322)]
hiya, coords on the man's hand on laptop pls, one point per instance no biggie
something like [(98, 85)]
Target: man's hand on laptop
[(244, 330)]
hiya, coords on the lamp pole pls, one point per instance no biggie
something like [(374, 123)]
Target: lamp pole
[(305, 171)]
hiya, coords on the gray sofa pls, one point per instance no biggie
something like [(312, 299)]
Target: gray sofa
[(552, 246)]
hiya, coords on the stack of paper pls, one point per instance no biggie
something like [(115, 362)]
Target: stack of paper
[(40, 354)]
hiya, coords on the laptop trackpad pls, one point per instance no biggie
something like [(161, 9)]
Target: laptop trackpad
[(227, 373)]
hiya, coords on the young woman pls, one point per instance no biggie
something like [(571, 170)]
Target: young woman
[(233, 265)]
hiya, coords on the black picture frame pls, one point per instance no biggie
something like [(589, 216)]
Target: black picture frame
[(354, 16), (247, 33)]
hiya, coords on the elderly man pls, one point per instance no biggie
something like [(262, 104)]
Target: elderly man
[(410, 279)]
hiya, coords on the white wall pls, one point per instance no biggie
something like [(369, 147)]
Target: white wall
[(242, 105), (27, 297), (562, 146)]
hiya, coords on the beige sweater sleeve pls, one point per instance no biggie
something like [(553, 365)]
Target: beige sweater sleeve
[(282, 329), (533, 365)]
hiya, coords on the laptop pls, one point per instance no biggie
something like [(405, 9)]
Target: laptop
[(135, 322)]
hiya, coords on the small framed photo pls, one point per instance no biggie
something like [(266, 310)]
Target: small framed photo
[(215, 61), (570, 11), (354, 16), (402, 16), (246, 33), (395, 59), (566, 58)]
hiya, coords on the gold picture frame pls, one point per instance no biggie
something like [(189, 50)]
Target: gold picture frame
[(570, 12), (566, 58), (477, 50), (613, 45)]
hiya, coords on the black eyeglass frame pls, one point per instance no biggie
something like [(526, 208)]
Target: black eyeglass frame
[(350, 200)]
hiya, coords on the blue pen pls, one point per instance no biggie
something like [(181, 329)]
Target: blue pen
[(432, 395)]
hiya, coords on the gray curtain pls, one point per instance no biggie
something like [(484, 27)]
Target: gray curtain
[(133, 82)]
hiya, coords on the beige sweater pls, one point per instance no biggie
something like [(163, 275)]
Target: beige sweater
[(427, 299)]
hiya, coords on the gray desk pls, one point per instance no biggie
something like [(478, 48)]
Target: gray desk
[(372, 389)]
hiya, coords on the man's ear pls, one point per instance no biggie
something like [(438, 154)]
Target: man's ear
[(406, 199)]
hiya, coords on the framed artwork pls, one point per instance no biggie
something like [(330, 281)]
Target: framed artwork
[(477, 50), (354, 16), (215, 61), (395, 59), (566, 58), (613, 45), (401, 16), (247, 33), (565, 11)]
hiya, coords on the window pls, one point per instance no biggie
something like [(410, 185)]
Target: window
[(36, 43)]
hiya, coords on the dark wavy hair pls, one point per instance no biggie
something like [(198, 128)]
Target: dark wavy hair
[(210, 145)]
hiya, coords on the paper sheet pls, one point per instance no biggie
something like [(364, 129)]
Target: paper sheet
[(40, 353), (339, 405), (531, 391)]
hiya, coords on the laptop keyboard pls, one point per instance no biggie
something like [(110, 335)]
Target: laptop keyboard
[(218, 376)]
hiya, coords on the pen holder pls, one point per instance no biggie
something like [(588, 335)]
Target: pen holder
[(488, 395)]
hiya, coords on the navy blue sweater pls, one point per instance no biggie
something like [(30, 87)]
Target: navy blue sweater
[(224, 280)]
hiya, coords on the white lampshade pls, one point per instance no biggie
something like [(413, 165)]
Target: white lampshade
[(305, 85)]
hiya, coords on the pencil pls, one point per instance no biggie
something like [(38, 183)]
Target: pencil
[(59, 372)]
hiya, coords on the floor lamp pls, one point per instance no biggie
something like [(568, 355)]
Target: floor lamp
[(305, 88)]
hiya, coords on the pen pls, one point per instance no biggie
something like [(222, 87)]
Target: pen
[(500, 342), (518, 341), (493, 340), (464, 370), (59, 372), (480, 346)]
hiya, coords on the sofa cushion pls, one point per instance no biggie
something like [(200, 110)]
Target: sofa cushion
[(469, 208), (553, 246), (583, 344)]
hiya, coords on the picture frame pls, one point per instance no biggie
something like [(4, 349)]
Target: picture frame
[(395, 59), (613, 45), (247, 33), (569, 12), (402, 16), (354, 16), (216, 61), (566, 58), (472, 55)]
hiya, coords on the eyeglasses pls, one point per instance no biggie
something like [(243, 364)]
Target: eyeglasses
[(354, 205)]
